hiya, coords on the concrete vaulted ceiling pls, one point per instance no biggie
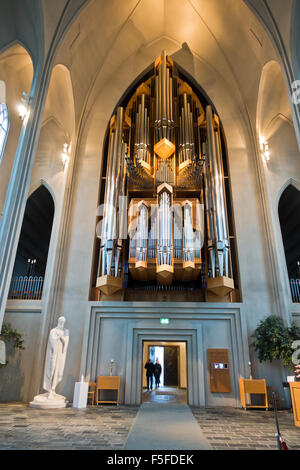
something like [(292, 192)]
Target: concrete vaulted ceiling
[(95, 37), (226, 36)]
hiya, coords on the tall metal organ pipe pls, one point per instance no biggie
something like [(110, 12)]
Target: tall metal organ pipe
[(164, 229), (113, 184), (142, 234), (188, 246), (219, 242), (164, 124), (121, 226), (186, 132), (142, 132)]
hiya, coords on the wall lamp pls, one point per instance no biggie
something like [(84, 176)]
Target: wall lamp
[(265, 152), (65, 156), (23, 108)]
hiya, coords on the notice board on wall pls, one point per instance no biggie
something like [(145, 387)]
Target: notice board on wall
[(219, 370)]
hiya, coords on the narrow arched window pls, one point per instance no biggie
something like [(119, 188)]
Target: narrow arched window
[(4, 126), (32, 253), (288, 211)]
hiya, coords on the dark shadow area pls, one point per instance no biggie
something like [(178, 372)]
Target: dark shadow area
[(289, 210), (32, 253), (35, 234)]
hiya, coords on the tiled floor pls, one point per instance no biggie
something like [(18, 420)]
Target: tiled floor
[(108, 427), (231, 428), (94, 428)]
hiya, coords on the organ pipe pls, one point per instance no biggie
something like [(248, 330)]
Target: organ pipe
[(164, 123), (164, 148), (142, 132), (110, 254), (178, 228), (188, 246), (164, 228), (186, 132), (142, 233), (218, 242)]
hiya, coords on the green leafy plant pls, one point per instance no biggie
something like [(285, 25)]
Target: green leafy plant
[(9, 334), (273, 340)]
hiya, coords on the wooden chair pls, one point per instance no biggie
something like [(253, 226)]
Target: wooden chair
[(295, 396), (92, 392), (256, 387)]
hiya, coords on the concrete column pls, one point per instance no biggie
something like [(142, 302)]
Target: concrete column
[(18, 188)]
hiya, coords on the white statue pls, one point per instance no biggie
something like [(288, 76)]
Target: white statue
[(56, 356), (54, 368)]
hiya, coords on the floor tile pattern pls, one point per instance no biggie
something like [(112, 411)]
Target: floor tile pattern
[(234, 428), (108, 427), (93, 428)]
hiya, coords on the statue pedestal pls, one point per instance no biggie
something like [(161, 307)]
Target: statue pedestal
[(80, 394), (44, 401)]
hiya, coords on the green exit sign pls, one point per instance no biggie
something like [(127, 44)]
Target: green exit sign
[(164, 321)]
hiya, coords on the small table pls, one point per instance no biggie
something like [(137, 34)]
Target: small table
[(108, 382), (254, 386)]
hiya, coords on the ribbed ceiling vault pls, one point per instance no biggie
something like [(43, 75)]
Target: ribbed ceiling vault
[(225, 35)]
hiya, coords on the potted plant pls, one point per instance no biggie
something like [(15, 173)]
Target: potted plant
[(273, 340), (11, 335)]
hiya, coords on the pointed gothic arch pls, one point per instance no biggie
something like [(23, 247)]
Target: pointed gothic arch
[(288, 211), (32, 253)]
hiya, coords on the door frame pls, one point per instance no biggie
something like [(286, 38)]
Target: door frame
[(156, 342), (195, 361)]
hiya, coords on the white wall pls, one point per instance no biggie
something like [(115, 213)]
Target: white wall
[(104, 58), (17, 72)]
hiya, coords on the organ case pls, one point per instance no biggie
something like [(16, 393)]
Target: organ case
[(165, 165)]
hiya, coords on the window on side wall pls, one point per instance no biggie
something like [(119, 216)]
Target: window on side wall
[(4, 127)]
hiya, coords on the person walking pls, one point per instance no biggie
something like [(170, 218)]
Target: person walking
[(157, 372), (149, 373)]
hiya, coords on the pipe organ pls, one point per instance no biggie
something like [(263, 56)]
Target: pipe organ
[(165, 214)]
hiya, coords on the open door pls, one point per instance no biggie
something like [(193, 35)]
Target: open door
[(171, 366)]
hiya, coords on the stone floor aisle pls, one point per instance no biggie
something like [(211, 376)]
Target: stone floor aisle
[(165, 426)]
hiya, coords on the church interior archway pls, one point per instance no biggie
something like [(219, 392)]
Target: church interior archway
[(288, 211), (32, 253)]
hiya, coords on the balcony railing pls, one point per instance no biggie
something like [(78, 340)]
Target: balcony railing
[(295, 289), (26, 288)]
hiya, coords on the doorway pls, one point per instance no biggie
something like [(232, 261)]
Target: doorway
[(172, 356)]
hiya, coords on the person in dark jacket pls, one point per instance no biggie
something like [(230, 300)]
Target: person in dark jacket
[(149, 373), (157, 372)]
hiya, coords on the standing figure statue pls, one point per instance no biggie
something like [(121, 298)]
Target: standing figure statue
[(56, 356), (54, 368)]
